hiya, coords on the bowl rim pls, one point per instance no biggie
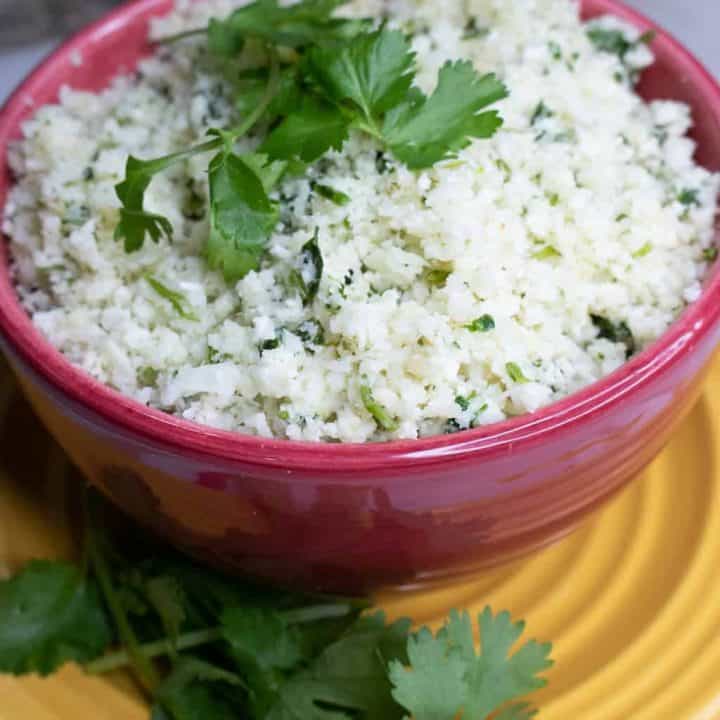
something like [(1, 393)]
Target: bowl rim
[(171, 431)]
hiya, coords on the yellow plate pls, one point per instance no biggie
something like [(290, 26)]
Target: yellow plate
[(631, 601)]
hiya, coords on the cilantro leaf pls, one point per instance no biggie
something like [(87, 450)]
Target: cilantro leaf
[(49, 615), (446, 676), (435, 687), (252, 87), (304, 23), (242, 217), (196, 690), (168, 599), (307, 133), (421, 132), (223, 39), (135, 222), (498, 677), (348, 676), (268, 171), (340, 75), (245, 652), (374, 71), (262, 637)]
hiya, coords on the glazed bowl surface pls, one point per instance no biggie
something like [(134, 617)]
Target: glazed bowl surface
[(350, 518)]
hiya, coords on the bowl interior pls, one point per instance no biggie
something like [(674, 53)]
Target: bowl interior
[(115, 44)]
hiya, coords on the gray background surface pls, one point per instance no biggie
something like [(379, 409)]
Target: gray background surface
[(695, 22)]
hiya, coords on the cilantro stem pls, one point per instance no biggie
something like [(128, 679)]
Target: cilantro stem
[(169, 39), (315, 612), (141, 665), (271, 89), (152, 167), (370, 127), (196, 638), (186, 641)]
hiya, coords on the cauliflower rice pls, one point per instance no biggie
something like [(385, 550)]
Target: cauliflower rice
[(586, 203)]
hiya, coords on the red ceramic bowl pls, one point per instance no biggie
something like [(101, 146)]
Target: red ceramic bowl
[(351, 517)]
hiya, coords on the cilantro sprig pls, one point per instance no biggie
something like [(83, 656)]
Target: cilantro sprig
[(50, 616), (337, 76), (470, 685), (203, 645)]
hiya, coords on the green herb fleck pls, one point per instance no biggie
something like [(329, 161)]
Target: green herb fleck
[(147, 376), (307, 277), (615, 332), (311, 332), (504, 168), (555, 50), (515, 373), (648, 37), (610, 41), (452, 426), (482, 324), (689, 197), (382, 417), (437, 277), (643, 251), (329, 193), (193, 207), (710, 254), (617, 43), (473, 30), (271, 343), (176, 299), (541, 112), (547, 253)]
